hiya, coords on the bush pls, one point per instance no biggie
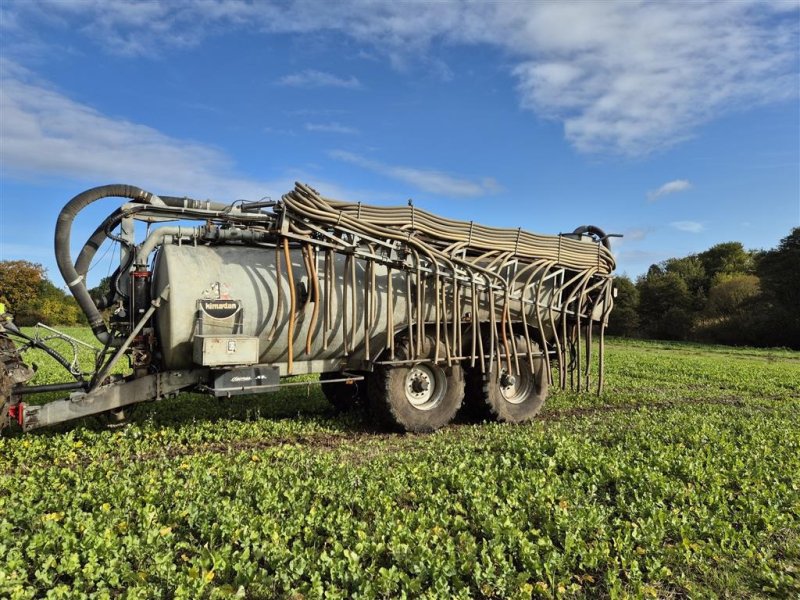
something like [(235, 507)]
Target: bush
[(32, 298)]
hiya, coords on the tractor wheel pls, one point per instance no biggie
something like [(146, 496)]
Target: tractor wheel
[(6, 384), (13, 372), (342, 395), (5, 396), (419, 397), (513, 397)]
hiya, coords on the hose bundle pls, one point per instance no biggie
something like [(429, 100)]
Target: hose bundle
[(502, 271), (451, 234)]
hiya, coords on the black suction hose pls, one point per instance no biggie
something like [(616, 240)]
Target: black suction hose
[(75, 281), (96, 240), (100, 234), (595, 231), (91, 246), (75, 275)]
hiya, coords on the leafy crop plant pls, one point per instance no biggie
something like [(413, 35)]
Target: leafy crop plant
[(681, 480)]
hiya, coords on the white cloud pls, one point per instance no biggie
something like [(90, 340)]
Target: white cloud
[(623, 77), (45, 133), (428, 180), (688, 226), (332, 127), (671, 187), (317, 79)]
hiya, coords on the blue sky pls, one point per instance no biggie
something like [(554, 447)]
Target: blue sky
[(675, 124)]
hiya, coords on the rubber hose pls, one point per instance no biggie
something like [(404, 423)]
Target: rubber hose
[(595, 231), (94, 242), (75, 281), (379, 220)]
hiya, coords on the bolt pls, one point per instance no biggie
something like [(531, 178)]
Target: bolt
[(507, 380)]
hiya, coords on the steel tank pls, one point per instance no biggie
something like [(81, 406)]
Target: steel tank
[(249, 275)]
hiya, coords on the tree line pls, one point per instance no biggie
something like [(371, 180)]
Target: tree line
[(32, 298), (725, 295)]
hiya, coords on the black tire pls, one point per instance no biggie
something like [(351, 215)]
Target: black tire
[(6, 386), (419, 398), (13, 372), (342, 395), (475, 407), (520, 398), (10, 355)]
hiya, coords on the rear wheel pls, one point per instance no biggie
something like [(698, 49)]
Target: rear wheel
[(420, 397), (512, 396)]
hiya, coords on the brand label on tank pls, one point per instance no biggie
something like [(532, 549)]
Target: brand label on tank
[(220, 309)]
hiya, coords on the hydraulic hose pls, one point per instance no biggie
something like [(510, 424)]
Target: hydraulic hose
[(568, 252)]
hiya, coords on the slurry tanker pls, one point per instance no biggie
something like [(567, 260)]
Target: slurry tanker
[(409, 313)]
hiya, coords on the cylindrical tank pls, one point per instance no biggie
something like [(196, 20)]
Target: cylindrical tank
[(248, 274)]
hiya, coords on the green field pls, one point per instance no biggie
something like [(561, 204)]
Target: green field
[(681, 480)]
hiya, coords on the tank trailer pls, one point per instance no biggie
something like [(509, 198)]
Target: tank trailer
[(402, 310)]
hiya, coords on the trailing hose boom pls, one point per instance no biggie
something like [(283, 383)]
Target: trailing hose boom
[(404, 311)]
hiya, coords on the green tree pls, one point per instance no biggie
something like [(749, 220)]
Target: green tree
[(779, 309), (665, 304), (55, 307), (727, 258), (731, 315), (732, 294), (779, 270), (692, 271), (624, 319), (19, 283), (32, 298)]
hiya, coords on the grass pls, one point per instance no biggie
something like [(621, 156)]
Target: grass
[(681, 480)]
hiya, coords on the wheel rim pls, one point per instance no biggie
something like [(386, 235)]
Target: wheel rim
[(515, 389), (425, 387)]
